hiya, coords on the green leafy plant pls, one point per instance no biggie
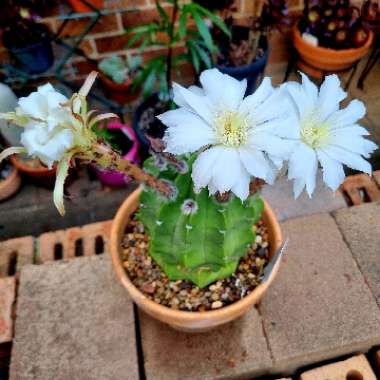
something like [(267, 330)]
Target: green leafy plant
[(120, 70), (203, 244), (166, 32)]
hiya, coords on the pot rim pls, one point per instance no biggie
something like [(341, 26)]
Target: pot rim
[(120, 222), (324, 50), (27, 169)]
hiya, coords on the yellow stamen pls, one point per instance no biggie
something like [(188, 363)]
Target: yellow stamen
[(231, 129)]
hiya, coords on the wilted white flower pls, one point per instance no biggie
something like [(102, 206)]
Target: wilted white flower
[(327, 134), (238, 138)]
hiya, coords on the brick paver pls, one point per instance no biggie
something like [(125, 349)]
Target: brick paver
[(235, 350), (88, 240), (281, 199), (7, 299), (360, 227), (360, 188), (14, 254), (355, 368), (74, 321), (319, 307)]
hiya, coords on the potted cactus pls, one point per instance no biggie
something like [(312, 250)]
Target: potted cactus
[(197, 246), (117, 75), (332, 36)]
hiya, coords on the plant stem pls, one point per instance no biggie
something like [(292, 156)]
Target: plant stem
[(108, 159), (169, 56)]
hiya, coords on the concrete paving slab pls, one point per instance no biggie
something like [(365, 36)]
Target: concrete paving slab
[(360, 226), (236, 350), (7, 299), (281, 199), (319, 307), (74, 321)]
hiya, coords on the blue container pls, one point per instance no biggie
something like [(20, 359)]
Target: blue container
[(36, 58), (250, 72)]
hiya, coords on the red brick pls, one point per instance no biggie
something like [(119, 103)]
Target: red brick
[(356, 367), (14, 254), (279, 47), (110, 44), (360, 188), (141, 17), (84, 67), (74, 242), (376, 177), (76, 27), (87, 47), (7, 299), (122, 4)]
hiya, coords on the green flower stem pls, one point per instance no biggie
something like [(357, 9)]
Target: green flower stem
[(105, 157)]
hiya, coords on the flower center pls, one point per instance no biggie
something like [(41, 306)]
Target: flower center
[(231, 128), (314, 132)]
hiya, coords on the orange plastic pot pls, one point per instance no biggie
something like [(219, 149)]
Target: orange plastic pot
[(41, 172), (184, 320), (80, 7), (10, 185), (322, 59), (119, 92)]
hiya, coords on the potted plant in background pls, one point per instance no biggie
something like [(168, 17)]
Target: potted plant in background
[(117, 76), (28, 41), (121, 138), (331, 36), (245, 54), (197, 246), (10, 180), (157, 74)]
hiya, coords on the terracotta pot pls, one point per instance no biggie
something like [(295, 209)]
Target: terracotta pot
[(39, 173), (81, 7), (119, 92), (316, 60), (10, 185), (183, 320)]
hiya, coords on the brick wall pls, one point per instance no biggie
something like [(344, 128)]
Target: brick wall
[(108, 36)]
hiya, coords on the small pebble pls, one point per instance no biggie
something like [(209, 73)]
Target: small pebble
[(216, 305)]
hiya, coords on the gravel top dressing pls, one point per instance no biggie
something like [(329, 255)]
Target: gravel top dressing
[(147, 276)]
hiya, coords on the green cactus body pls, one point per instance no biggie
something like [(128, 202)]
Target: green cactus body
[(203, 246)]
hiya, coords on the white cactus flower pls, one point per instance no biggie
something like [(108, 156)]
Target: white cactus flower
[(237, 137), (327, 135)]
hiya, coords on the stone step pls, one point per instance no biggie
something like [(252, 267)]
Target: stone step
[(355, 368), (74, 321)]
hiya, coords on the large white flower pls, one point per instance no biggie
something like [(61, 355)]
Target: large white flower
[(238, 137), (327, 135)]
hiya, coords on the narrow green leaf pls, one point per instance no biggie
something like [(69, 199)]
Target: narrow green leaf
[(203, 31)]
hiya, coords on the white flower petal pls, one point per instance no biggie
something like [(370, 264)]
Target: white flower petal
[(287, 127), (203, 167), (311, 90), (258, 97), (192, 102), (352, 160), (298, 186), (303, 164), (34, 105), (354, 130), (353, 143), (226, 170), (333, 173), (47, 147), (186, 131), (241, 187), (196, 90), (330, 96), (256, 164), (223, 90), (45, 89), (347, 116), (271, 144)]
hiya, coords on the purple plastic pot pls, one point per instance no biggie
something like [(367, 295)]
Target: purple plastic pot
[(114, 178)]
